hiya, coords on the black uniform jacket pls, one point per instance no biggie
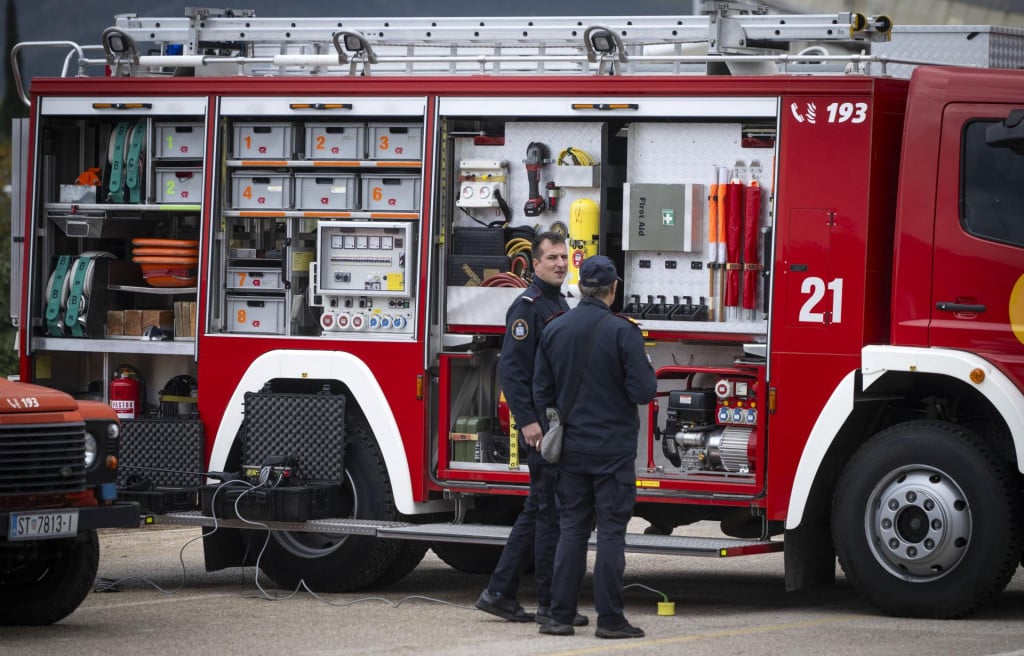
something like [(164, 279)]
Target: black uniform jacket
[(617, 376), (524, 322)]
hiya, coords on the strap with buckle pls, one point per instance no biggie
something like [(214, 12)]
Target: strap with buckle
[(55, 298), (76, 300), (115, 187)]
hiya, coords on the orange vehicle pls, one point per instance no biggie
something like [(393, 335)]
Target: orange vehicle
[(58, 463)]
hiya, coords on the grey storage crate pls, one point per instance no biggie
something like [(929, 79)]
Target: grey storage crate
[(264, 140), (261, 190), (179, 185), (321, 191), (394, 140), (179, 140), (256, 314), (397, 192), (335, 141)]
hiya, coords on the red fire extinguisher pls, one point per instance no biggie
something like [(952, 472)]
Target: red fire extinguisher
[(126, 392)]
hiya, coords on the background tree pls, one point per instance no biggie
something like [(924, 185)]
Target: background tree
[(11, 108)]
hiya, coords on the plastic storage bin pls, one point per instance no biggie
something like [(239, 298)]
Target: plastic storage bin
[(250, 314), (399, 192), (316, 191), (182, 185), (179, 140), (335, 141), (263, 190), (263, 141), (394, 140), (254, 279)]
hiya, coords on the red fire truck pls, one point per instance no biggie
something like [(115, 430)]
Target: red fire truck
[(312, 228)]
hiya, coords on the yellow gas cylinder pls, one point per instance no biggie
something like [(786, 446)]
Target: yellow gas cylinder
[(584, 234)]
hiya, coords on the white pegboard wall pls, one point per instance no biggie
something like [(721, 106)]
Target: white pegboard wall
[(518, 136), (667, 153)]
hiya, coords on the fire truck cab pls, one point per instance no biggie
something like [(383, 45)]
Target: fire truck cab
[(312, 229)]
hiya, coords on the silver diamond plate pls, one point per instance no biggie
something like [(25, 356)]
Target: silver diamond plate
[(962, 45)]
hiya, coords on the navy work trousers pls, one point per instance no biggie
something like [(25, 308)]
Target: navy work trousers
[(588, 486), (533, 537)]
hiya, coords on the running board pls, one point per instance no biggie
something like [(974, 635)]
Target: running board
[(477, 534)]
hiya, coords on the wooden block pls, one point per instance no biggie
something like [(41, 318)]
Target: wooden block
[(133, 322), (115, 323), (162, 319), (180, 319), (192, 319)]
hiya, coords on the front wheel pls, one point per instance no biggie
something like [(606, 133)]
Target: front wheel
[(48, 581), (925, 521)]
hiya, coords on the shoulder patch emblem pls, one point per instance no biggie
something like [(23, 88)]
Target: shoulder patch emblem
[(520, 330)]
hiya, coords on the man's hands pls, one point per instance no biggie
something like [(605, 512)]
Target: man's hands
[(532, 434)]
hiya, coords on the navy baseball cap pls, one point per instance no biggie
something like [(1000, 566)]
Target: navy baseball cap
[(598, 271)]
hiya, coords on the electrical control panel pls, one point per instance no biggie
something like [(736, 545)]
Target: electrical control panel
[(363, 278), (363, 257), (482, 182)]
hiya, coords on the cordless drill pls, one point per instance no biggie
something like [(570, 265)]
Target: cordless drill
[(536, 156)]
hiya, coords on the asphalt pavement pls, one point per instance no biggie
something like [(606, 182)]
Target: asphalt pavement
[(163, 602)]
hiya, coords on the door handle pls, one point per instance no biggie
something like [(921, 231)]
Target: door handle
[(946, 306)]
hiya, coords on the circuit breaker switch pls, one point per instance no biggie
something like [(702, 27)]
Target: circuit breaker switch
[(483, 182)]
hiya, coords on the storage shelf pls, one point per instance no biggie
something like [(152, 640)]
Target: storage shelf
[(165, 291), (326, 163), (120, 208), (126, 345), (304, 214)]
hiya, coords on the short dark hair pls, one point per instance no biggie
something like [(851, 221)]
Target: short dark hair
[(594, 292), (547, 235)]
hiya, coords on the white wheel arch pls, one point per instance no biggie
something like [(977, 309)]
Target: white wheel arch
[(327, 365), (877, 361)]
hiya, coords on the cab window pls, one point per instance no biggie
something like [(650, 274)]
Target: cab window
[(992, 187)]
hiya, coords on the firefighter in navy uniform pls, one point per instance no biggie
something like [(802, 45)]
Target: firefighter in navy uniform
[(535, 533), (591, 364)]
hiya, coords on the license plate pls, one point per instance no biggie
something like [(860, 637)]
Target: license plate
[(43, 525)]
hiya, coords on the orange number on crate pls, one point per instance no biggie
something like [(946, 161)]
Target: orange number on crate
[(247, 192), (241, 278), (378, 193), (240, 316), (170, 188), (321, 140), (384, 143), (248, 142)]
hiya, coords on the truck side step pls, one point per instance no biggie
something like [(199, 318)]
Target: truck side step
[(478, 534)]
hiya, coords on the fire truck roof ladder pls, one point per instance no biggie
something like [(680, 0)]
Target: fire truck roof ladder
[(473, 45)]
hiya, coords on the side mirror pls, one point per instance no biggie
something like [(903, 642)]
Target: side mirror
[(1009, 133)]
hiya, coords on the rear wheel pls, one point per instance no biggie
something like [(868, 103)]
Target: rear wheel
[(925, 521), (51, 583), (409, 555), (340, 563), (468, 558)]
